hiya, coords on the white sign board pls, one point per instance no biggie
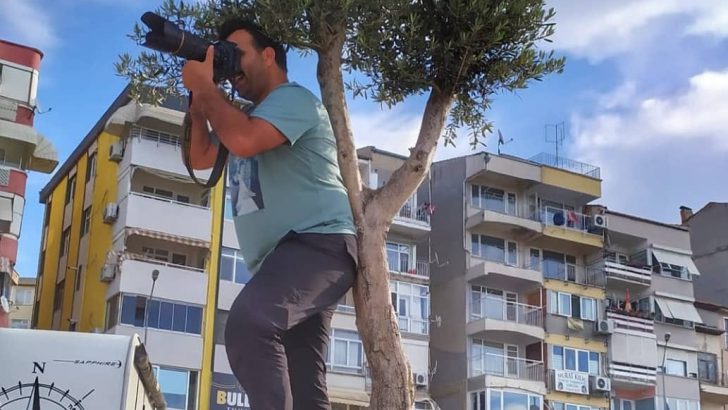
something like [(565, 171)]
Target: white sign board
[(572, 382), (77, 371)]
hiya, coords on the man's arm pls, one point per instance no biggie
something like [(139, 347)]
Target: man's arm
[(202, 151), (242, 135)]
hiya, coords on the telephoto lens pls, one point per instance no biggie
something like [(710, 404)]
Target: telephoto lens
[(164, 36)]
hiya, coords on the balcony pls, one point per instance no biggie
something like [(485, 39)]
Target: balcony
[(412, 221), (525, 273), (566, 164), (159, 214), (496, 216), (569, 272), (421, 270), (568, 225), (632, 350), (623, 274), (175, 282), (509, 367), (513, 320)]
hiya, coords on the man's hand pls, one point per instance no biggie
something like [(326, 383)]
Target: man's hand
[(197, 76)]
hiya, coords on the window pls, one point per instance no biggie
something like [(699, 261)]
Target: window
[(676, 367), (58, 296), (112, 312), (65, 241), (85, 221), (155, 136), (345, 353), (70, 189), (15, 83), (163, 315), (79, 277), (555, 405), (162, 193), (493, 199), (178, 386), (566, 358), (228, 206), (494, 249), (233, 267), (659, 317), (23, 296), (493, 399), (158, 254), (559, 266), (706, 367), (565, 304), (677, 404), (183, 199), (91, 166), (412, 304), (20, 323), (398, 257)]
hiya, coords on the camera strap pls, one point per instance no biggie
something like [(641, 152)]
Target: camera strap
[(222, 153)]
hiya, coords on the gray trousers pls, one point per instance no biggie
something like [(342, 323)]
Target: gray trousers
[(277, 332)]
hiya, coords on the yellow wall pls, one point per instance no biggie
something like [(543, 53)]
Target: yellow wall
[(572, 235), (579, 399), (94, 291), (571, 181), (574, 288), (576, 343), (217, 198), (49, 266)]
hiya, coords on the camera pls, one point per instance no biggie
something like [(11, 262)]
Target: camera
[(166, 37)]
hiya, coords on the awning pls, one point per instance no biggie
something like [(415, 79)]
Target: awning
[(674, 258), (350, 397), (168, 237), (133, 112), (676, 309), (45, 157)]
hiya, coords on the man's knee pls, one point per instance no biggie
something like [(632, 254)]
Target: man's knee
[(247, 325)]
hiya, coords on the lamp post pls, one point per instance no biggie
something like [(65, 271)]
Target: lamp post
[(664, 354), (155, 275)]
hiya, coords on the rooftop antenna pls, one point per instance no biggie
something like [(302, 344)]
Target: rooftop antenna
[(501, 141), (555, 135)]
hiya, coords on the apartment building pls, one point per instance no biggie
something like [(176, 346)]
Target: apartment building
[(22, 150), (515, 303), (709, 243), (21, 303), (127, 244), (652, 320)]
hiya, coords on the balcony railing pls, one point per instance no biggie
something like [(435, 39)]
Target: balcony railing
[(631, 321), (145, 258), (166, 199), (499, 309), (503, 366), (421, 268), (612, 268), (570, 272), (564, 218), (410, 210), (566, 164)]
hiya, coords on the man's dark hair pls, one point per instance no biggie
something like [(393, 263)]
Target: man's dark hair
[(260, 39)]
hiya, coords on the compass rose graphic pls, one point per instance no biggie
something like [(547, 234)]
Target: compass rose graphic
[(33, 394)]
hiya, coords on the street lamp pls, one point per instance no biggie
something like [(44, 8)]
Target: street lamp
[(155, 275), (664, 390)]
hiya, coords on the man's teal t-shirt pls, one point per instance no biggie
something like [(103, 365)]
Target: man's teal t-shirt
[(296, 186)]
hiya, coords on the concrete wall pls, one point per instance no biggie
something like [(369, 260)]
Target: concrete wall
[(709, 240), (448, 343), (659, 234)]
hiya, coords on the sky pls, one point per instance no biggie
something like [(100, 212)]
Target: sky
[(644, 96)]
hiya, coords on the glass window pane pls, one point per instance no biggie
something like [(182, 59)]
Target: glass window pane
[(173, 384), (494, 248), (179, 317), (594, 363), (583, 364), (226, 267), (558, 357), (242, 274), (340, 352), (194, 320), (128, 309), (475, 245), (565, 304), (15, 83), (587, 309), (165, 315), (512, 253), (153, 314), (495, 400), (569, 359), (515, 401), (141, 305)]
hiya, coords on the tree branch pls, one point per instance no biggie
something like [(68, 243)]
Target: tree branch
[(409, 176)]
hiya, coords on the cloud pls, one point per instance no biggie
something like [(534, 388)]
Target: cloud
[(597, 29), (27, 22), (391, 130), (654, 151)]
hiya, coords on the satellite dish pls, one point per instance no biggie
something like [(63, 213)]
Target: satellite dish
[(5, 304)]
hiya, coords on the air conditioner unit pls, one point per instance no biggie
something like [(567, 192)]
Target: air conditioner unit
[(116, 152), (605, 327), (108, 272), (600, 383), (599, 221), (111, 212), (420, 379)]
